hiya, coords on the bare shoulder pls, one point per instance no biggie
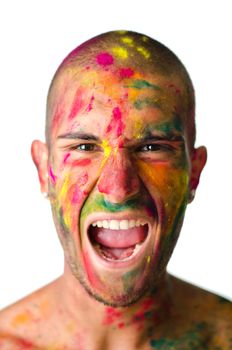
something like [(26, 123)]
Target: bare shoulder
[(21, 322), (212, 314)]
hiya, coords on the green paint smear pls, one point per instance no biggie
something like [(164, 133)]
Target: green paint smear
[(147, 102), (142, 84), (192, 339), (99, 204), (168, 127), (128, 279)]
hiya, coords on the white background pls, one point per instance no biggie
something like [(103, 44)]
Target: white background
[(35, 37)]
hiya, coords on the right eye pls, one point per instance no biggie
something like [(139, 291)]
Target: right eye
[(86, 147)]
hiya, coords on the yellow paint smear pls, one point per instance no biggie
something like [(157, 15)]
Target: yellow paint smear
[(121, 52), (20, 319), (145, 38), (138, 126), (63, 198), (106, 147), (143, 52), (148, 259), (127, 40)]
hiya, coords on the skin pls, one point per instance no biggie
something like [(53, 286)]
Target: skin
[(117, 146)]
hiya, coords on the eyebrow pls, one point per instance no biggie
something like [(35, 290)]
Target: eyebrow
[(148, 136), (165, 137), (79, 135)]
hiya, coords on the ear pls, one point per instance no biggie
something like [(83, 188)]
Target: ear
[(39, 153), (198, 161)]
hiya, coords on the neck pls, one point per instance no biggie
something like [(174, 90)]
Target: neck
[(84, 312)]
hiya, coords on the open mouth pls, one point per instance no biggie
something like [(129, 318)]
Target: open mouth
[(118, 240)]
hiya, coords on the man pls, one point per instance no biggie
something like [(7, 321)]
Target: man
[(119, 167)]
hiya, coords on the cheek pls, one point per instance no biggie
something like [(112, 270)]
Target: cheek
[(168, 185), (167, 179), (69, 190)]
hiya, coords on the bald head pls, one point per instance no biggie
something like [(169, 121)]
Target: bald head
[(129, 56)]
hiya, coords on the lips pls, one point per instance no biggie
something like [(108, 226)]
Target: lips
[(117, 239)]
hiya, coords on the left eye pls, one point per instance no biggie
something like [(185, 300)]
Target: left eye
[(154, 147)]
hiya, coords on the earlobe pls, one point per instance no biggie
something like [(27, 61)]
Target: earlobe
[(39, 153), (198, 161)]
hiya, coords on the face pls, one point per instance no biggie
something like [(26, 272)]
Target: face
[(119, 174)]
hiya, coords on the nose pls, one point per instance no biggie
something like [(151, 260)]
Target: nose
[(119, 180)]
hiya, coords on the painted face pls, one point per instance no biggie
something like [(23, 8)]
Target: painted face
[(119, 177)]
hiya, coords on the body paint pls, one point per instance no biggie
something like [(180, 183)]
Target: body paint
[(77, 104), (52, 175), (120, 52), (144, 52), (105, 59), (126, 73), (116, 124)]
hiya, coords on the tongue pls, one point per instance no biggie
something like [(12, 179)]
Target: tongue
[(119, 238), (117, 253)]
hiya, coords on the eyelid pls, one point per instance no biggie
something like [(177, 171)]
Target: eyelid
[(166, 145), (74, 146)]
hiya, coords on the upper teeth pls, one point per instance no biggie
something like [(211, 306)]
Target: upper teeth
[(119, 224)]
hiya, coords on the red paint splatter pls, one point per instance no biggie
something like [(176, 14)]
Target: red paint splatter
[(147, 304), (121, 325), (116, 122), (111, 316), (175, 88), (90, 105), (105, 59), (66, 157), (52, 176), (81, 162), (78, 103), (14, 342), (126, 72)]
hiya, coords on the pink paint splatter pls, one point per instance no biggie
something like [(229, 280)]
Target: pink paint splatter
[(90, 105), (66, 157), (77, 195), (126, 72), (116, 122), (52, 176), (105, 59), (89, 269), (82, 180), (81, 162), (78, 103)]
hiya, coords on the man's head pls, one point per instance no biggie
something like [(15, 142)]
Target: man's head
[(120, 154)]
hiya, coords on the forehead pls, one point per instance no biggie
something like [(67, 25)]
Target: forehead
[(89, 98)]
